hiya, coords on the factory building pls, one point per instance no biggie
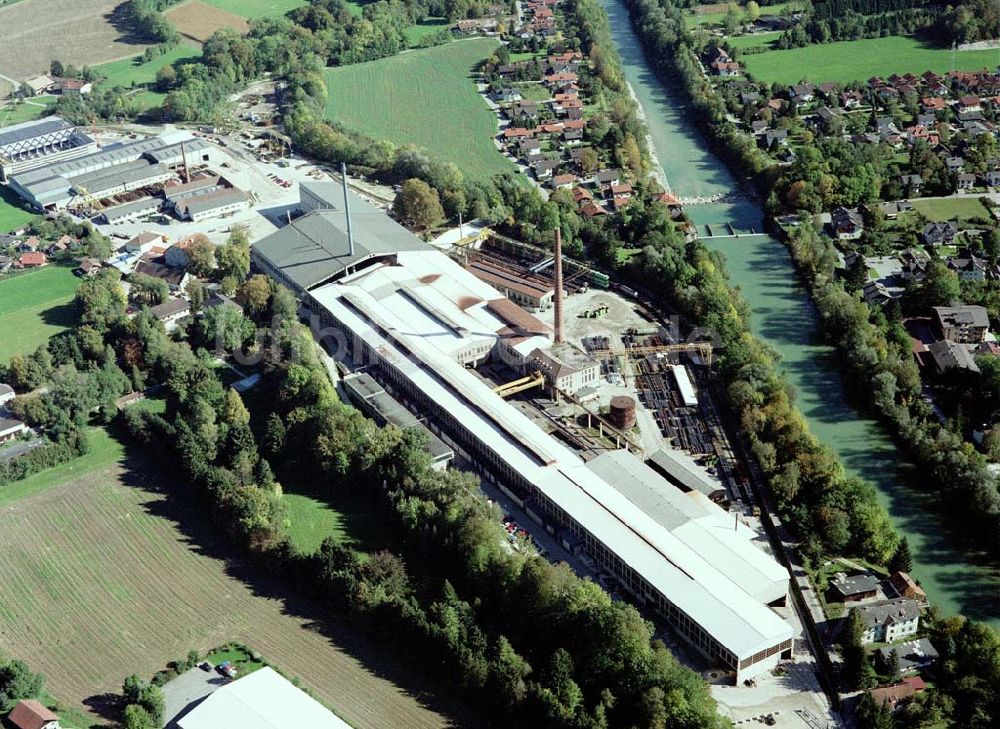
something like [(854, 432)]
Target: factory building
[(315, 248), (687, 474), (371, 398), (418, 320), (40, 142), (117, 168)]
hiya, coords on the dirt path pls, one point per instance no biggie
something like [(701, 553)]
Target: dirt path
[(118, 573)]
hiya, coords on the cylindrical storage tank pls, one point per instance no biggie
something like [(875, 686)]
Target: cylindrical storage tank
[(622, 412)]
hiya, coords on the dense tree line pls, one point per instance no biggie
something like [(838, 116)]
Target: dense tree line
[(878, 358), (454, 595), (148, 21)]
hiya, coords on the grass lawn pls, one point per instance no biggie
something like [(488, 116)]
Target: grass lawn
[(752, 41), (313, 516), (17, 113), (425, 97), (132, 72), (35, 306), (104, 451), (12, 214), (417, 32), (257, 8), (962, 208), (533, 92), (846, 61), (713, 13)]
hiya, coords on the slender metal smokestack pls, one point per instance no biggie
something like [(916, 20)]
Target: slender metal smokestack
[(347, 209), (184, 158), (558, 301)]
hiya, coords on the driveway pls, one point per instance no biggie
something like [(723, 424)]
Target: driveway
[(181, 694)]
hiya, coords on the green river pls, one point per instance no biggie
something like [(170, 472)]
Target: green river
[(956, 579)]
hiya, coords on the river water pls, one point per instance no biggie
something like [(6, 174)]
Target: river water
[(956, 579)]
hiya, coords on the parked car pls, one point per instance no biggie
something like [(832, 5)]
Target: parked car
[(227, 669)]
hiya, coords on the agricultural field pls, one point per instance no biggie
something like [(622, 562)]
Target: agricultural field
[(198, 21), (846, 61), (118, 571), (35, 306), (129, 72), (80, 32), (257, 8), (425, 97)]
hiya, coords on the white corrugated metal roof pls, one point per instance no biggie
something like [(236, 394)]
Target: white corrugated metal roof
[(261, 700), (736, 620)]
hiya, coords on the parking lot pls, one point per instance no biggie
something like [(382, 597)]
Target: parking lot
[(185, 691)]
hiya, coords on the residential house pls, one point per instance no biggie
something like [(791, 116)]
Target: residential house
[(5, 263), (758, 127), (545, 168), (177, 254), (949, 355), (889, 620), (954, 164), (851, 99), (894, 696), (592, 209), (144, 241), (846, 223), (965, 181), (749, 97), (968, 266), (67, 86), (607, 177), (854, 588), (507, 95), (993, 178), (726, 69), (582, 195), (915, 262), (939, 234), (968, 103), (176, 278), (64, 243), (775, 138), (40, 85), (170, 312), (563, 181), (906, 586), (876, 294), (802, 93), (30, 714), (88, 267), (913, 655), (913, 184), (962, 324), (34, 259)]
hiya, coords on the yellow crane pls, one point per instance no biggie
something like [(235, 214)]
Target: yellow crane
[(535, 379)]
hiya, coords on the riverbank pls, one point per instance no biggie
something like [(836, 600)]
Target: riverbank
[(654, 161), (783, 316)]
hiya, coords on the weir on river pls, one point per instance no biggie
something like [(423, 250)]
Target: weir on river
[(956, 578)]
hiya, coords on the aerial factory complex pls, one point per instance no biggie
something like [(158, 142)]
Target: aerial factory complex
[(421, 323)]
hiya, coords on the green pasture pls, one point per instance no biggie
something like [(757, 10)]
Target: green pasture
[(34, 306)]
